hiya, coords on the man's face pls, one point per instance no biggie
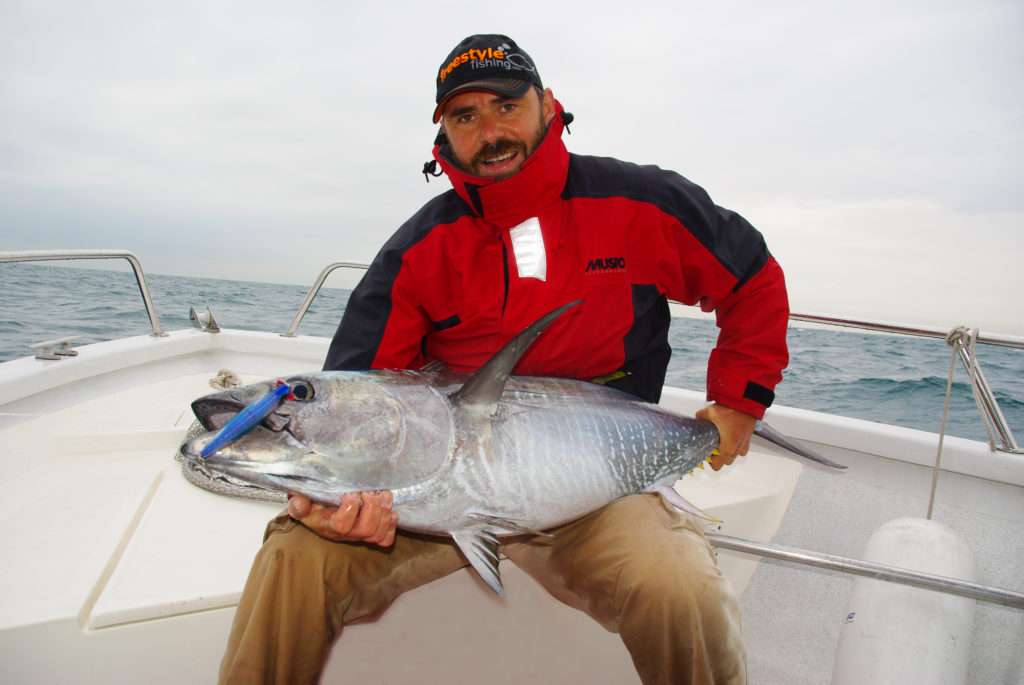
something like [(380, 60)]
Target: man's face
[(492, 135)]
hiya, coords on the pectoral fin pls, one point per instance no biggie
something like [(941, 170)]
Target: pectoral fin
[(480, 548), (669, 494)]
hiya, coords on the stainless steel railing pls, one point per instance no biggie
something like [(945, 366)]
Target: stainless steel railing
[(892, 574), (991, 413), (988, 405), (67, 255), (919, 331), (311, 295)]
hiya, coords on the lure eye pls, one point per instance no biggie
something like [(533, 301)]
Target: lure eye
[(301, 391)]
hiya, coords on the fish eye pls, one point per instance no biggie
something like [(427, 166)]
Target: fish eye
[(301, 390)]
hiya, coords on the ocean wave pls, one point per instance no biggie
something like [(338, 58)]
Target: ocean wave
[(890, 387)]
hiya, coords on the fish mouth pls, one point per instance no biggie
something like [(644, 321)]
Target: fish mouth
[(231, 475), (255, 478), (235, 459), (214, 411), (282, 472)]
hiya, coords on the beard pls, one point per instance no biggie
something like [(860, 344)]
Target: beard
[(502, 146)]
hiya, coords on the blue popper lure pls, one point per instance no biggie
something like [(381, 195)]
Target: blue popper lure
[(247, 418)]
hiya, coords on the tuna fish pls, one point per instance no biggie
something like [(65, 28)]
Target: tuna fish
[(471, 458)]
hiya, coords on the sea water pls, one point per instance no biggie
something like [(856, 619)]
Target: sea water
[(891, 379)]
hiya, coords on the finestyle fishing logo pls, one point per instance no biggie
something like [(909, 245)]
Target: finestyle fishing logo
[(490, 58)]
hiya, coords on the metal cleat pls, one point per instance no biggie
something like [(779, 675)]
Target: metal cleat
[(204, 321), (55, 349)]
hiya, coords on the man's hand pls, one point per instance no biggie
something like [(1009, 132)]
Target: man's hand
[(361, 517), (734, 428)]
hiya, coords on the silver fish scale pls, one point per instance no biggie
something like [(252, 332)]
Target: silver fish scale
[(555, 450)]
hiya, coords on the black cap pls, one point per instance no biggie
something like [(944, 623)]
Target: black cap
[(490, 62)]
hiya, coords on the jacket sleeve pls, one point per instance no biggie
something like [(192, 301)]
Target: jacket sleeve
[(716, 259), (751, 351), (383, 327)]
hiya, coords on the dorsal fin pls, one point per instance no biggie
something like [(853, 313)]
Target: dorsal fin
[(483, 389)]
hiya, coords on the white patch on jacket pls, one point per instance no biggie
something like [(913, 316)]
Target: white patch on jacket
[(528, 247)]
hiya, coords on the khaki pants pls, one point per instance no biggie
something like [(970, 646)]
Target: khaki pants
[(637, 566)]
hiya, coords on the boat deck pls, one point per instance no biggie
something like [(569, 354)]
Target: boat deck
[(116, 558)]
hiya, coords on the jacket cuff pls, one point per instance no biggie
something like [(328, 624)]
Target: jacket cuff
[(755, 399)]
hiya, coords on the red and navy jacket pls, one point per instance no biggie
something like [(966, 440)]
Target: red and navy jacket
[(622, 238)]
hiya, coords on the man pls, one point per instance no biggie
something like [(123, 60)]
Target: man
[(529, 227)]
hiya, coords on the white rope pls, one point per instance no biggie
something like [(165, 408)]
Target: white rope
[(955, 340), (225, 379)]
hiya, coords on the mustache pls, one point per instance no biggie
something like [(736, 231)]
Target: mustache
[(498, 147)]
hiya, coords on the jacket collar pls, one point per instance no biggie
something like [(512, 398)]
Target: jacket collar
[(511, 201)]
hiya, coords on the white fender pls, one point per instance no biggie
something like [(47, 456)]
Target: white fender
[(900, 634)]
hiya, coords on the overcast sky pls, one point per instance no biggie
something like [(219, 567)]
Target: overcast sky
[(877, 145)]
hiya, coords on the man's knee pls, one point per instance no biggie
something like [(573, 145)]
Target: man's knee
[(661, 590)]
